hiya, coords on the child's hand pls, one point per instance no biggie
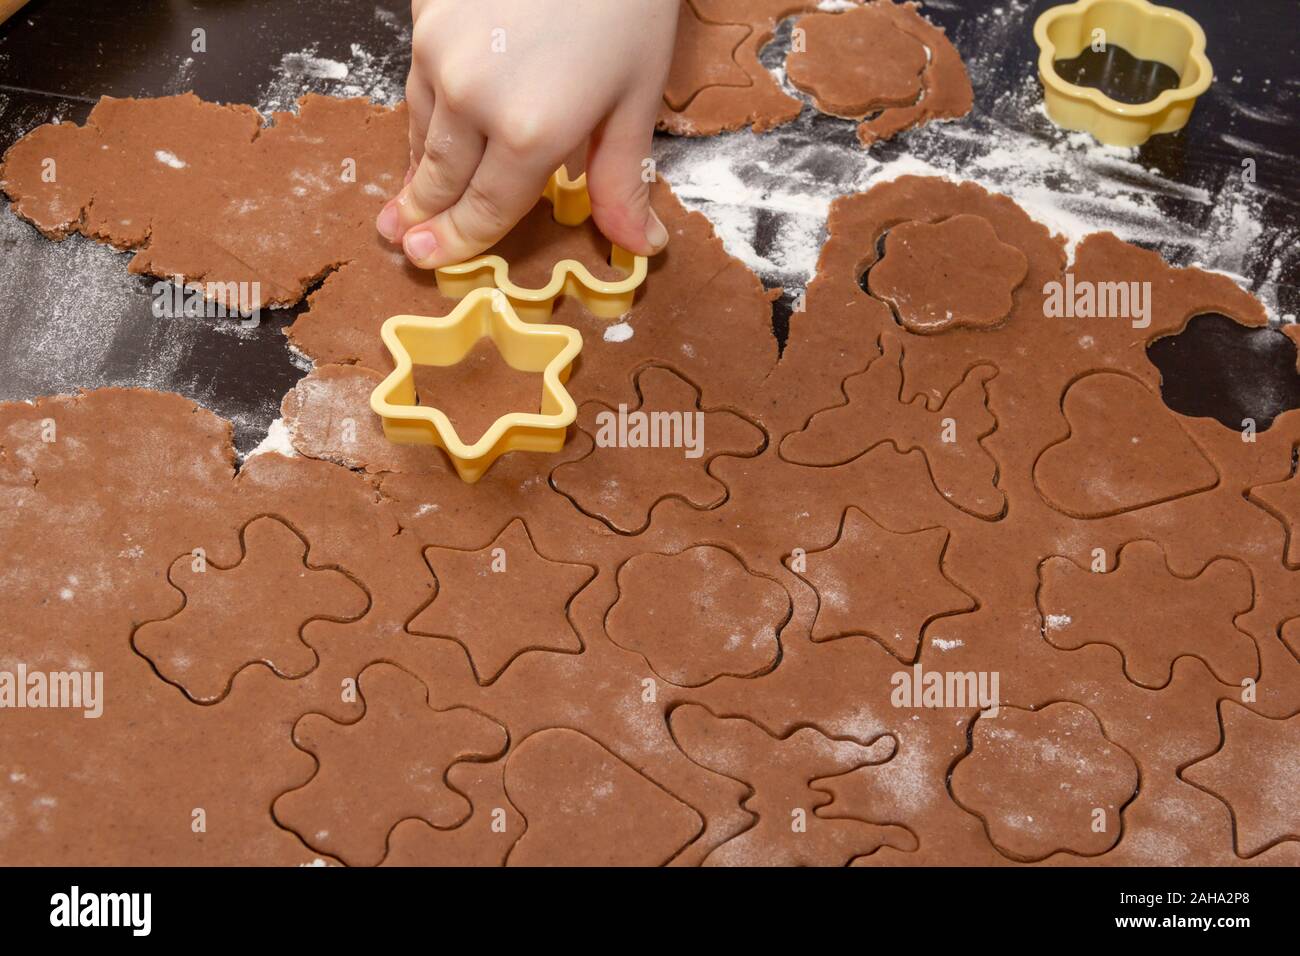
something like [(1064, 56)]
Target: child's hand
[(501, 92)]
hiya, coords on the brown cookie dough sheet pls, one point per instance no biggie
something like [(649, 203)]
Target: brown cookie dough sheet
[(881, 62), (625, 656)]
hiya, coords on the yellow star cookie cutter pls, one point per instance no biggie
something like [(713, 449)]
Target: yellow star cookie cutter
[(1143, 29), (483, 313), (607, 299)]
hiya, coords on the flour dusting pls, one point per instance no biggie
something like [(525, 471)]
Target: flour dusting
[(618, 332), (279, 439), (375, 74), (100, 331), (168, 158)]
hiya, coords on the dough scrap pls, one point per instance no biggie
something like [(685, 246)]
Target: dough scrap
[(882, 63), (857, 63), (219, 214)]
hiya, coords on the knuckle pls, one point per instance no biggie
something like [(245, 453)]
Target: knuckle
[(437, 148), (526, 135), (455, 88)]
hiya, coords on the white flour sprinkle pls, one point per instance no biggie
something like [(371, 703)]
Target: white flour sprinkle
[(619, 332), (168, 158), (183, 79), (279, 439), (319, 68), (377, 76), (364, 75)]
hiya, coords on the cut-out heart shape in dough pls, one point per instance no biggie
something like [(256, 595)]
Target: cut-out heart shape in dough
[(1124, 451)]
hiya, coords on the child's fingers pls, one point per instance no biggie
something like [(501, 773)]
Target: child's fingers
[(619, 181), (419, 109), (452, 151), (503, 189)]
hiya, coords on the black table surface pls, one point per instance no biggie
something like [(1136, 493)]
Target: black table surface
[(70, 316)]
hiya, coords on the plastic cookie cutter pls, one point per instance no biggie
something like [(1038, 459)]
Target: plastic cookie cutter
[(607, 299), (483, 313), (1146, 31)]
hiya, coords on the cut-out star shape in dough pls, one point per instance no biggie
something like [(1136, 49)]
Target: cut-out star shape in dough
[(847, 576), (501, 601), (1254, 773)]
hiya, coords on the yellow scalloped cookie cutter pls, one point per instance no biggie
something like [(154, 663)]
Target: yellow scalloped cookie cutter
[(482, 313), (1143, 29), (607, 299)]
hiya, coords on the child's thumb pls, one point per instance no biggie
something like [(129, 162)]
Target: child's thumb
[(619, 174)]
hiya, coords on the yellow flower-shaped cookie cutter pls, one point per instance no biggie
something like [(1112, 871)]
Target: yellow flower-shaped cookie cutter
[(483, 313), (607, 299), (1143, 29)]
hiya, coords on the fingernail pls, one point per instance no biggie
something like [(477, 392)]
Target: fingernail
[(419, 244), (387, 223), (655, 233)]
